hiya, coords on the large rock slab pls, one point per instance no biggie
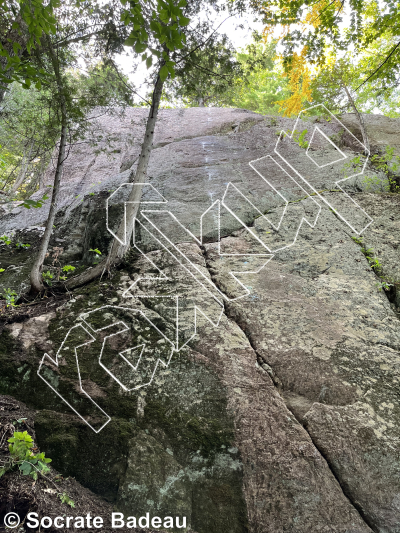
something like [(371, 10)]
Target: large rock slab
[(275, 405), (318, 318)]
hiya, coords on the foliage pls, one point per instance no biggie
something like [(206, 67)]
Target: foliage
[(328, 82), (97, 253), (156, 30), (48, 277), (10, 297), (5, 239), (30, 122), (2, 159), (68, 268), (29, 131), (298, 137), (317, 25), (30, 119), (389, 164), (21, 245), (23, 23), (263, 83), (217, 76), (36, 204), (313, 32), (66, 499), (21, 456), (299, 81), (207, 75), (383, 283)]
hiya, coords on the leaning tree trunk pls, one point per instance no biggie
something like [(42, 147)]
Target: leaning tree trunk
[(118, 250), (36, 272), (359, 117)]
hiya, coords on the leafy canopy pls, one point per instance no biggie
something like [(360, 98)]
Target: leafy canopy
[(315, 26), (24, 22), (154, 25)]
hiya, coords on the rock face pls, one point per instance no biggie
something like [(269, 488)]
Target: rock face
[(242, 368), (382, 131)]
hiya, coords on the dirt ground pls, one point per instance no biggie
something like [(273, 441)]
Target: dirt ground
[(21, 494)]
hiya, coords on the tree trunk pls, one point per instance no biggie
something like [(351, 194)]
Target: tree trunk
[(36, 272), (24, 168), (118, 250), (359, 118)]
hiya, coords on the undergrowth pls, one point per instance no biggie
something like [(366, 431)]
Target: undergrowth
[(384, 282), (22, 457)]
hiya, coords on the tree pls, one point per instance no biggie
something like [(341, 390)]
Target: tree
[(250, 79), (29, 133), (48, 60), (158, 33), (263, 83), (23, 23), (73, 101), (207, 75), (29, 126), (299, 85), (36, 272), (316, 26), (375, 94)]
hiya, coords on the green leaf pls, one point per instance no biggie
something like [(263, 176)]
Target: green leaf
[(130, 41), (66, 499), (36, 204), (26, 468), (155, 26), (171, 70), (19, 436), (164, 73), (140, 47), (184, 21), (16, 47), (164, 16), (149, 62)]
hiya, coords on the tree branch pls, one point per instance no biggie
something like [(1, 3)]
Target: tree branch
[(380, 66), (127, 86), (204, 42)]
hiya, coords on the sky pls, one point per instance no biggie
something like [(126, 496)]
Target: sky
[(239, 37)]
